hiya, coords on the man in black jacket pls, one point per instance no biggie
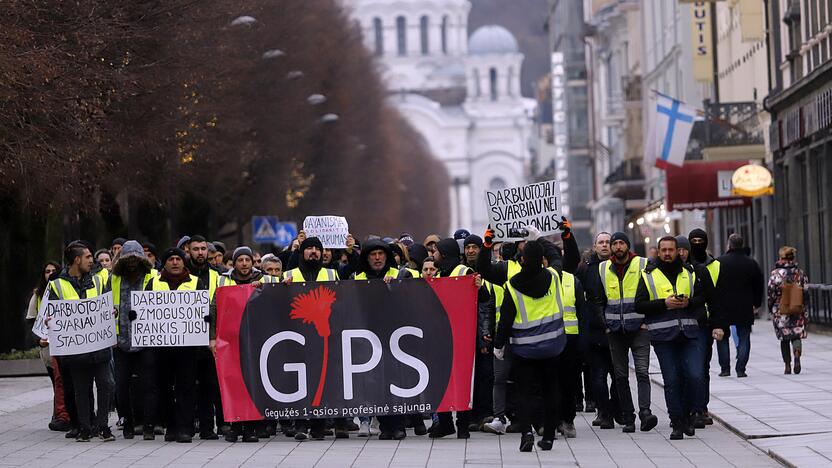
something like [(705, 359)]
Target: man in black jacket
[(741, 286)]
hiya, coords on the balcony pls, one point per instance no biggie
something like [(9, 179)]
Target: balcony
[(731, 130), (626, 181)]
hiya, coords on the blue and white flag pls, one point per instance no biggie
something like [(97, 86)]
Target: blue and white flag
[(672, 122)]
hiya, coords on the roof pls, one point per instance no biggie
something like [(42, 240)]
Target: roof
[(492, 39)]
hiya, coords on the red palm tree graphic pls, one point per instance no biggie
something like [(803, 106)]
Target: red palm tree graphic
[(315, 307)]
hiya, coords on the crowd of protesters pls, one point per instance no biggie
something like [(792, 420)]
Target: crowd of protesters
[(555, 332)]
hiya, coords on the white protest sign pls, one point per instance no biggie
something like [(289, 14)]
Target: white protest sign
[(330, 230), (39, 327), (517, 207), (169, 318), (80, 326)]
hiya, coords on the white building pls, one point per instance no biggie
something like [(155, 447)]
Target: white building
[(462, 94)]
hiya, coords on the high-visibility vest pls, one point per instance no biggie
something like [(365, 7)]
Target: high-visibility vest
[(713, 267), (499, 293), (190, 285), (325, 274), (512, 268), (390, 273), (570, 313), (115, 288), (104, 274), (620, 312), (459, 270), (213, 281), (414, 273), (63, 289), (538, 331), (227, 281), (667, 325)]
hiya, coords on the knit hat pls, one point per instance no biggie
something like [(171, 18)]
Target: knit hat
[(242, 250), (418, 253), (219, 246), (173, 251), (682, 242), (473, 239), (310, 242), (151, 247), (532, 255), (461, 234), (406, 239), (620, 236), (448, 248), (185, 240), (118, 241)]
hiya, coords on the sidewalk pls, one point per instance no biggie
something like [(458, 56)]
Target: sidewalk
[(787, 416)]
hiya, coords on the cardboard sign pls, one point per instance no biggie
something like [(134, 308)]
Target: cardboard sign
[(80, 326), (517, 207), (332, 231), (39, 327), (169, 318)]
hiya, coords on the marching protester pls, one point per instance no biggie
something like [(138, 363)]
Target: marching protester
[(789, 325), (626, 331), (132, 272), (115, 246), (79, 371), (740, 275), (671, 302)]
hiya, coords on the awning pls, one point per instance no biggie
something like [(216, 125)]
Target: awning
[(702, 185)]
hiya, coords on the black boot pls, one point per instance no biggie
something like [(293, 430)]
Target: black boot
[(689, 428), (677, 433), (629, 423), (648, 420), (698, 420), (527, 442)]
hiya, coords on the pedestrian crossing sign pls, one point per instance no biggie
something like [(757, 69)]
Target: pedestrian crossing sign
[(269, 230)]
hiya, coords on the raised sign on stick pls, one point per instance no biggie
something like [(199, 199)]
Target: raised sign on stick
[(535, 205), (80, 326), (169, 318), (332, 231)]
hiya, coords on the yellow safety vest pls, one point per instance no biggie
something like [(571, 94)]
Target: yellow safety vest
[(538, 330), (115, 288), (713, 269), (104, 274), (414, 273), (667, 325), (570, 313), (620, 311), (512, 268), (227, 281), (190, 285), (459, 270), (390, 273), (325, 274), (63, 290), (499, 293)]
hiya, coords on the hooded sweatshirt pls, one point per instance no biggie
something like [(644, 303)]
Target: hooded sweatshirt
[(131, 265), (364, 260)]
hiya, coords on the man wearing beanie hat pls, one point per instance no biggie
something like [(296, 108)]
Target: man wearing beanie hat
[(179, 363), (626, 331), (115, 247), (310, 268), (534, 348), (712, 326), (683, 246)]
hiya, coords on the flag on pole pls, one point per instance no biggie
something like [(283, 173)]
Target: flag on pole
[(672, 122)]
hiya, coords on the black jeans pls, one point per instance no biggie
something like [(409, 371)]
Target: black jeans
[(144, 391), (605, 395), (209, 401), (181, 368), (532, 374), (569, 369), (483, 387), (83, 376), (621, 344)]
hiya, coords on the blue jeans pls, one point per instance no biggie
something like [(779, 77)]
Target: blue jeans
[(743, 349), (682, 368)]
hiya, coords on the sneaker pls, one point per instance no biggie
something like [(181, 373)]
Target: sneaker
[(568, 430), (72, 433), (59, 425), (545, 444), (106, 435), (83, 436), (629, 428), (496, 426), (364, 429), (527, 442)]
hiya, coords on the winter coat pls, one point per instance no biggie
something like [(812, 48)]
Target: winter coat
[(81, 286), (590, 278), (791, 326), (740, 288)]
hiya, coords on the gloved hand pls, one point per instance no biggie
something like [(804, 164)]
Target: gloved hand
[(500, 353), (208, 318), (132, 315), (534, 233), (488, 238), (566, 227)]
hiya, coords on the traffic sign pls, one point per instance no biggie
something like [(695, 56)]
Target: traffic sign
[(286, 233), (269, 230)]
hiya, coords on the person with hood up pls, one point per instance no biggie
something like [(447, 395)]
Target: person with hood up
[(310, 267), (417, 254), (711, 325), (672, 301), (377, 263), (132, 271), (740, 292), (179, 362), (242, 273), (626, 330), (76, 281), (531, 321), (446, 257)]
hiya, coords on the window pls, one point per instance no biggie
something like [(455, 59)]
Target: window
[(492, 77), (401, 34), (510, 81), (378, 30), (477, 86), (445, 34), (423, 34)]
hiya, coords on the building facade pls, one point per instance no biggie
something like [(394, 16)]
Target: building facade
[(461, 93)]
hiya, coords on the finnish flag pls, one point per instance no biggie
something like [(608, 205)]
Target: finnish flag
[(672, 123)]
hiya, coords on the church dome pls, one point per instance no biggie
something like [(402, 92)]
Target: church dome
[(492, 39)]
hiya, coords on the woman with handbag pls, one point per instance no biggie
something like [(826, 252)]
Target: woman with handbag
[(786, 296)]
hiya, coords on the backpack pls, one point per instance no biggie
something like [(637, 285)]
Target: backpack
[(791, 296)]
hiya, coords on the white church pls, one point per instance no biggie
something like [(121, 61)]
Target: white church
[(461, 93)]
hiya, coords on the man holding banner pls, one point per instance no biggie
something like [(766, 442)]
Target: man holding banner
[(80, 336)]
